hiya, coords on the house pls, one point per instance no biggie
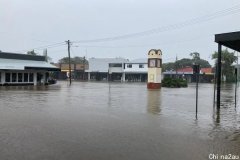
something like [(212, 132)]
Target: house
[(206, 74), (77, 70), (23, 69)]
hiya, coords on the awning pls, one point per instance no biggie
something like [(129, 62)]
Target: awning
[(230, 40), (15, 64)]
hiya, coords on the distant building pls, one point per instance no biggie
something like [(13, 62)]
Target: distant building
[(206, 74), (135, 71), (117, 69), (77, 70), (23, 69), (103, 68)]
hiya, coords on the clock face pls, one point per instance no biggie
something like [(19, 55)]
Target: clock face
[(152, 63)]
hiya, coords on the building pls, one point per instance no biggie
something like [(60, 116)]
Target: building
[(117, 69), (206, 74), (22, 69), (135, 71), (77, 70), (105, 68)]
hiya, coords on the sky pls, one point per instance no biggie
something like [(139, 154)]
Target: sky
[(176, 27)]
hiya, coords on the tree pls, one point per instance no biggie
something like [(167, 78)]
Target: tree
[(195, 56), (185, 62), (32, 52), (75, 60), (168, 66), (228, 58)]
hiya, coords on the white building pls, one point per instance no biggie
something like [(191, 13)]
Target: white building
[(22, 69), (135, 70), (117, 69), (102, 69)]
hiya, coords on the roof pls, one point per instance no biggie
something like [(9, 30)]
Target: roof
[(185, 70), (8, 55), (189, 70), (140, 60), (13, 61), (102, 64), (230, 40)]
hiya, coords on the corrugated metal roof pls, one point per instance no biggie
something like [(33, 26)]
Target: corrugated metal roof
[(140, 60), (101, 64), (14, 64)]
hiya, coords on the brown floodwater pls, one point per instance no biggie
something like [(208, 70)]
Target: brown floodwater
[(113, 121)]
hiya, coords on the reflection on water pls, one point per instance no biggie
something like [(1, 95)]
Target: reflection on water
[(116, 121), (153, 101)]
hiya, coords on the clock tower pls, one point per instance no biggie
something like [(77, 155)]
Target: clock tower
[(154, 69)]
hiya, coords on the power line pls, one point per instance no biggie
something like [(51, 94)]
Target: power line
[(232, 10), (146, 45), (44, 47)]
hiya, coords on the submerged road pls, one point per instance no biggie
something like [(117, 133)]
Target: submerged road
[(89, 121)]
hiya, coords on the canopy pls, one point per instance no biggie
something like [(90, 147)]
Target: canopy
[(230, 40)]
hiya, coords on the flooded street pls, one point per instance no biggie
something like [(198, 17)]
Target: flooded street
[(90, 120)]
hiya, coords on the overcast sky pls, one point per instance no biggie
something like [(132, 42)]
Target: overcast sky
[(28, 24)]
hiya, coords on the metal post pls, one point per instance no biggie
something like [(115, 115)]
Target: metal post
[(236, 87), (196, 71), (219, 66), (69, 62), (197, 76), (215, 80)]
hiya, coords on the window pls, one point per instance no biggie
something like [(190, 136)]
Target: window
[(141, 66), (0, 77), (152, 63), (14, 77), (30, 77), (7, 77), (20, 78), (155, 62), (129, 66), (115, 64), (25, 77)]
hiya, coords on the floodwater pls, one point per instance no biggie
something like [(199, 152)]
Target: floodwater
[(113, 121)]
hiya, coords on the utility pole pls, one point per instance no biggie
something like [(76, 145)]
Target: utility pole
[(176, 67), (69, 62)]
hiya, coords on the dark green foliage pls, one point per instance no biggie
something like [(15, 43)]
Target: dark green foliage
[(186, 62), (32, 53), (174, 82), (75, 60), (228, 58)]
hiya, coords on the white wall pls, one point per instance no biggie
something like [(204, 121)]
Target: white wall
[(135, 68)]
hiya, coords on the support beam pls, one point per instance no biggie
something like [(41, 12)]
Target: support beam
[(34, 78), (123, 77), (3, 77), (219, 70)]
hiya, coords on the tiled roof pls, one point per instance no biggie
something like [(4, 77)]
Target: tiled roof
[(189, 70)]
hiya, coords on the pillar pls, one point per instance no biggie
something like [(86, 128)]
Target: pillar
[(123, 76), (35, 78), (44, 78), (89, 76), (2, 77), (219, 70)]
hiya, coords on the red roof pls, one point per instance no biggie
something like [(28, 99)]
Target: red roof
[(186, 69), (206, 70), (189, 69)]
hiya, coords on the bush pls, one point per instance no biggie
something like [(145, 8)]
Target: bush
[(174, 82)]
